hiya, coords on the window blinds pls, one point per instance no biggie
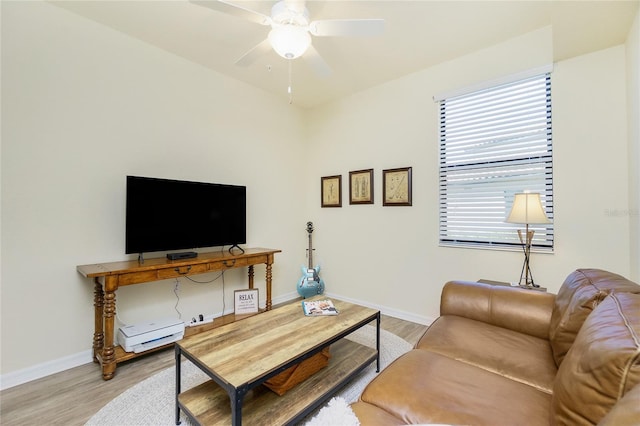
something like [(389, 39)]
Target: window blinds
[(494, 143)]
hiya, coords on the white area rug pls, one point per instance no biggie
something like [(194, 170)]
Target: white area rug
[(336, 413), (151, 402)]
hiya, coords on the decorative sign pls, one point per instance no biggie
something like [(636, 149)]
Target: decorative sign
[(246, 301)]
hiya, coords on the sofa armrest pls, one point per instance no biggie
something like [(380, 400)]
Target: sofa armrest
[(522, 310)]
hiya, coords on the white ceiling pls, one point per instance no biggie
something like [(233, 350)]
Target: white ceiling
[(418, 34)]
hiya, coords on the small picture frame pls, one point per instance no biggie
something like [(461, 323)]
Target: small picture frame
[(245, 301), (361, 187), (331, 191), (396, 187)]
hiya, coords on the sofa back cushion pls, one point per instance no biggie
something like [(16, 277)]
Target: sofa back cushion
[(580, 293), (602, 365), (516, 309)]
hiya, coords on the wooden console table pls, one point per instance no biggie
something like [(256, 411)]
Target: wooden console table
[(109, 276)]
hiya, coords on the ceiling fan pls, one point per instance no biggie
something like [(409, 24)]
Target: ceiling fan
[(291, 30)]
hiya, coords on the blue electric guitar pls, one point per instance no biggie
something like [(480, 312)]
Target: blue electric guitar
[(310, 283)]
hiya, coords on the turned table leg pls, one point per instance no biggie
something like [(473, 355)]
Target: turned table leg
[(268, 283), (108, 352), (250, 276), (98, 305)]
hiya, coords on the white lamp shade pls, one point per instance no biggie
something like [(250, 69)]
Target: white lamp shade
[(289, 41), (527, 208)]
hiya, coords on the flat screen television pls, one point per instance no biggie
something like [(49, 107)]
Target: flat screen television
[(165, 215)]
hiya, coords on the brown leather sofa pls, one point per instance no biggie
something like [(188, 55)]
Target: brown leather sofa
[(508, 356)]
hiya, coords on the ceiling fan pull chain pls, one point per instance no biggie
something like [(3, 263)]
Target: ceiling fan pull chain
[(289, 89)]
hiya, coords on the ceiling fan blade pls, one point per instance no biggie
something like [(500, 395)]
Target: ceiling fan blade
[(235, 10), (347, 27), (317, 63), (258, 50)]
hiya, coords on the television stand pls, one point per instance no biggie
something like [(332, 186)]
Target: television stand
[(108, 277), (237, 246)]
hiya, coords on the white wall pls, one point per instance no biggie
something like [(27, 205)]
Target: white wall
[(633, 114), (390, 255), (83, 106)]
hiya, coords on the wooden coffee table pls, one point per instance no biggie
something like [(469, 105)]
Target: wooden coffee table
[(240, 356)]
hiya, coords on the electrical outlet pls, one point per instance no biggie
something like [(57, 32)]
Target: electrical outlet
[(199, 320)]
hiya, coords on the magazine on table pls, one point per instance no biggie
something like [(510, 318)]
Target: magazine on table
[(319, 307)]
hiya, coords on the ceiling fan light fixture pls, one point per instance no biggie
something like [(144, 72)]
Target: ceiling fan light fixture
[(289, 41)]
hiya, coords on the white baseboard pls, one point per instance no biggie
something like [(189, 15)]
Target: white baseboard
[(39, 371), (48, 368), (406, 316), (403, 315)]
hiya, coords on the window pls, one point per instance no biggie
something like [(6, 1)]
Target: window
[(494, 143)]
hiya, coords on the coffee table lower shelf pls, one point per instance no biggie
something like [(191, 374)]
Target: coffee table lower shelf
[(208, 403)]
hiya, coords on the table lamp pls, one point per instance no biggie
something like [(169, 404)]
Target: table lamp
[(527, 209)]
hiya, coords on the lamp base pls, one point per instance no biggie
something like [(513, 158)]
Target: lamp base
[(525, 275), (529, 287)]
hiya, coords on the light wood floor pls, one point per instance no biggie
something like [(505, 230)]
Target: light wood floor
[(73, 396)]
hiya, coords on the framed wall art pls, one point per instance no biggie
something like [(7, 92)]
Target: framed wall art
[(361, 187), (396, 187), (331, 191)]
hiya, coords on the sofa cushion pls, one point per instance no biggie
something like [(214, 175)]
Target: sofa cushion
[(518, 356), (580, 293), (370, 415), (626, 411), (521, 310), (602, 365), (426, 387)]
